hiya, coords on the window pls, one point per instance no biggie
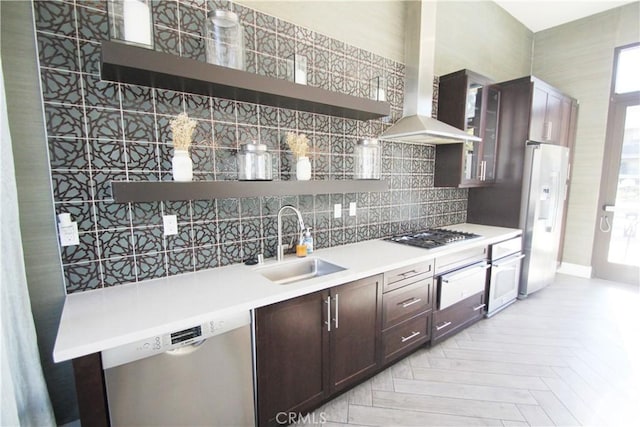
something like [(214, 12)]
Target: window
[(627, 78)]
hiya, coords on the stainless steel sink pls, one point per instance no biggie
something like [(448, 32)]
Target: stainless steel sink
[(297, 271)]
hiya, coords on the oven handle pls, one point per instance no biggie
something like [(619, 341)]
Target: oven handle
[(465, 272), (507, 261)]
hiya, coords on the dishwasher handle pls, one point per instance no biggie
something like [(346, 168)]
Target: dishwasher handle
[(465, 272), (187, 349)]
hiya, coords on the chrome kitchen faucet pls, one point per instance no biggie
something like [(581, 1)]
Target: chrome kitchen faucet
[(280, 248)]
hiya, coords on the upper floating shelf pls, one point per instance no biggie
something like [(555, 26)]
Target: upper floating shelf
[(151, 191), (136, 65)]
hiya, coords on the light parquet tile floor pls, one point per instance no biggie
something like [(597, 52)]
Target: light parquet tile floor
[(568, 355)]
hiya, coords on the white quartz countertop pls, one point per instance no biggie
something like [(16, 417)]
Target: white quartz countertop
[(101, 319)]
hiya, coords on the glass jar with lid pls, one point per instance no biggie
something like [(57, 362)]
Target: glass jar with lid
[(254, 162), (224, 39), (367, 159)]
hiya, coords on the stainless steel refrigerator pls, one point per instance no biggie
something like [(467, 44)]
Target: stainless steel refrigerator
[(544, 189), (529, 194)]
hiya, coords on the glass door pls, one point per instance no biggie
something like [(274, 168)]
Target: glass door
[(616, 254)]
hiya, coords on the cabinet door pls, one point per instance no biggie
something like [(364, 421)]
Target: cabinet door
[(565, 128), (553, 119), (550, 116), (354, 335), (538, 114), (463, 101), (291, 352)]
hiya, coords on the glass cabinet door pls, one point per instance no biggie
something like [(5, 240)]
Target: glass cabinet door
[(473, 121), (481, 119), (490, 134)]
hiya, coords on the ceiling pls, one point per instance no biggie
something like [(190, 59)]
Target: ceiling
[(538, 15)]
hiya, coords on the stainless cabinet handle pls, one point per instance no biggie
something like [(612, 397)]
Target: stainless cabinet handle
[(406, 273), (413, 335), (548, 132), (466, 272), (479, 307), (409, 302), (328, 321), (337, 311), (444, 325), (508, 261)]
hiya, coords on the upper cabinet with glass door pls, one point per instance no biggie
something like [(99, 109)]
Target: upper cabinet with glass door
[(467, 101)]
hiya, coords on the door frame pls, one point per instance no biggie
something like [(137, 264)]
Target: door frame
[(618, 104)]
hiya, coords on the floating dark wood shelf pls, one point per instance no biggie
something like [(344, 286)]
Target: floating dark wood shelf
[(151, 191), (135, 65)]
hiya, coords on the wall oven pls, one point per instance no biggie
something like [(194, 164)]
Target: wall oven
[(502, 287)]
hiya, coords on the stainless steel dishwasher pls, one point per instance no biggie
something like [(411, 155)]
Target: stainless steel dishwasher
[(199, 376)]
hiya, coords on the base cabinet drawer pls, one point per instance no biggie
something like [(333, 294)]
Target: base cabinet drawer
[(455, 317), (405, 337), (404, 303), (400, 277)]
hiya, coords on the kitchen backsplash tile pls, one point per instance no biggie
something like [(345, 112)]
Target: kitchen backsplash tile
[(99, 131)]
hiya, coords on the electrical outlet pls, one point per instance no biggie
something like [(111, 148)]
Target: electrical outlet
[(170, 223), (69, 234), (337, 210), (352, 209)]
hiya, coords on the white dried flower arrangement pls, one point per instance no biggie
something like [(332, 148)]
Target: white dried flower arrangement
[(298, 144), (182, 128)]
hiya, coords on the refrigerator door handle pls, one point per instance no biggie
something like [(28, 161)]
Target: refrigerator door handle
[(553, 207)]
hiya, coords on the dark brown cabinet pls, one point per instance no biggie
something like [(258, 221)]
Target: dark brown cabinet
[(470, 102), (407, 304), (457, 317), (530, 109), (311, 347), (550, 115), (292, 355)]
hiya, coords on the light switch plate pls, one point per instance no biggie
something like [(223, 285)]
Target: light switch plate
[(337, 210), (352, 209), (170, 223)]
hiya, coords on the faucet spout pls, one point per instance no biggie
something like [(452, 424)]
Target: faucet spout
[(280, 248)]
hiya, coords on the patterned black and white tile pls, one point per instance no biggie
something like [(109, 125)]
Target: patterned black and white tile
[(100, 131)]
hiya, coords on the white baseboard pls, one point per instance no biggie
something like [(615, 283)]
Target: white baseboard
[(575, 270)]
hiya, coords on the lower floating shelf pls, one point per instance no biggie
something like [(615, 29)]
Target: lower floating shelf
[(137, 191)]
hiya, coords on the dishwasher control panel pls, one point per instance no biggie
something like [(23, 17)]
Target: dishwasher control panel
[(172, 340)]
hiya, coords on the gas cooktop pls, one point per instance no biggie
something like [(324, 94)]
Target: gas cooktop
[(432, 238)]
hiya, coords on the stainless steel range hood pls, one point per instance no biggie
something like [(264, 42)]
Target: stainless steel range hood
[(417, 125)]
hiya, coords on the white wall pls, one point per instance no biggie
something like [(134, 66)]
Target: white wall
[(577, 58), (483, 37)]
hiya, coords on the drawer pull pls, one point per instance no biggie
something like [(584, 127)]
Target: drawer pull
[(444, 325), (337, 311), (508, 261), (465, 272), (407, 273), (328, 321), (409, 302), (413, 335), (479, 307)]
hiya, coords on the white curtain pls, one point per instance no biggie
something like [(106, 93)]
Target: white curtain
[(24, 400)]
